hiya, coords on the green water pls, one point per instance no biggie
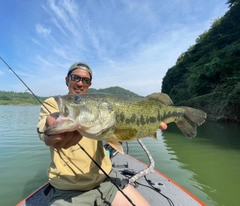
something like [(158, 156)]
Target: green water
[(208, 166)]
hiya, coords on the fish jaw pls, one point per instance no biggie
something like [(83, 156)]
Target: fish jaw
[(61, 125), (65, 121)]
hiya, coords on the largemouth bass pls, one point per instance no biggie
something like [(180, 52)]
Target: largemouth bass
[(119, 118)]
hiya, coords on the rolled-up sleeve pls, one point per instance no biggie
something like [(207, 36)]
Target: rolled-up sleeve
[(50, 105)]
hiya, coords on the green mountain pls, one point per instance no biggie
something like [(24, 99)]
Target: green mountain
[(113, 90), (207, 75), (25, 98), (19, 98)]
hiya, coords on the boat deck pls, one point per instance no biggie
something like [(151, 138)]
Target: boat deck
[(170, 193)]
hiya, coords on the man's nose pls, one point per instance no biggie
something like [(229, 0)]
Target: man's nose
[(80, 83)]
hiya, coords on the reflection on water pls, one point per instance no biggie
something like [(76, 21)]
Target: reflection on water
[(208, 165), (212, 157), (225, 135)]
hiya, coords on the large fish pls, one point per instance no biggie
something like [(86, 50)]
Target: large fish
[(119, 118)]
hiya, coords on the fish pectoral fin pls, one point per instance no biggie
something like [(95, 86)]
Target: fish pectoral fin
[(116, 145), (121, 134)]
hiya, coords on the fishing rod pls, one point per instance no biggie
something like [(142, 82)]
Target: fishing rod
[(108, 176), (25, 84), (78, 143)]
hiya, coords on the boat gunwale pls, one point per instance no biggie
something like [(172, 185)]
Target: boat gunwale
[(32, 194)]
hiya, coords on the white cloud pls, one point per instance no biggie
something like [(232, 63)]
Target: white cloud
[(42, 30), (130, 44)]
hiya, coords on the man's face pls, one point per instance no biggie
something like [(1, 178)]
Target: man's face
[(78, 87)]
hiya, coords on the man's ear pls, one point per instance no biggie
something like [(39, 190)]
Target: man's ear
[(67, 79)]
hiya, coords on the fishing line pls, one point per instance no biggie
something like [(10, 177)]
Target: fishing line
[(155, 189), (106, 175), (158, 191), (78, 143)]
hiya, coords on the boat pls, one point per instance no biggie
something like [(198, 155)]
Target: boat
[(157, 188)]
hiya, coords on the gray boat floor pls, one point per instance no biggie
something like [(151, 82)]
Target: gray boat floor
[(170, 193)]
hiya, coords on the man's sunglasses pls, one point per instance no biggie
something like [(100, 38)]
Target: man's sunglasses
[(76, 78)]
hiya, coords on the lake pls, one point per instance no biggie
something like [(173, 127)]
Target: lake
[(208, 165)]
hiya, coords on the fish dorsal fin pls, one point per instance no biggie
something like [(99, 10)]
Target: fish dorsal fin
[(116, 145), (162, 97)]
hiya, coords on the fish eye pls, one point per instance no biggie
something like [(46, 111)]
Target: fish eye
[(109, 107), (77, 99)]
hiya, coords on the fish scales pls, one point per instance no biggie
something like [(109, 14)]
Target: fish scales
[(115, 118), (141, 114)]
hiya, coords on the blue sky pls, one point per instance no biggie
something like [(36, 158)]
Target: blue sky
[(127, 43)]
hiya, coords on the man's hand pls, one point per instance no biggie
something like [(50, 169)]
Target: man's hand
[(63, 140)]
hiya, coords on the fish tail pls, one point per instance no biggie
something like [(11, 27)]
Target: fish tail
[(192, 119)]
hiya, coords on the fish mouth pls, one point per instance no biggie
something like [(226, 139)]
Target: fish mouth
[(59, 126)]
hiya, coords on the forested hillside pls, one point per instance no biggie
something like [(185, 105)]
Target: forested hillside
[(207, 75), (26, 98), (113, 90), (18, 98)]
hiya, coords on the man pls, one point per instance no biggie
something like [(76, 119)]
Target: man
[(74, 177)]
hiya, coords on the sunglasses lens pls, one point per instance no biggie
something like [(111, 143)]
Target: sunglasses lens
[(77, 78), (86, 80)]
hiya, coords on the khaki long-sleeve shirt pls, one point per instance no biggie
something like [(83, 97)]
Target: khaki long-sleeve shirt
[(72, 169)]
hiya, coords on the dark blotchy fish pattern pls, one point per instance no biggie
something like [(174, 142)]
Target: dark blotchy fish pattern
[(114, 118)]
